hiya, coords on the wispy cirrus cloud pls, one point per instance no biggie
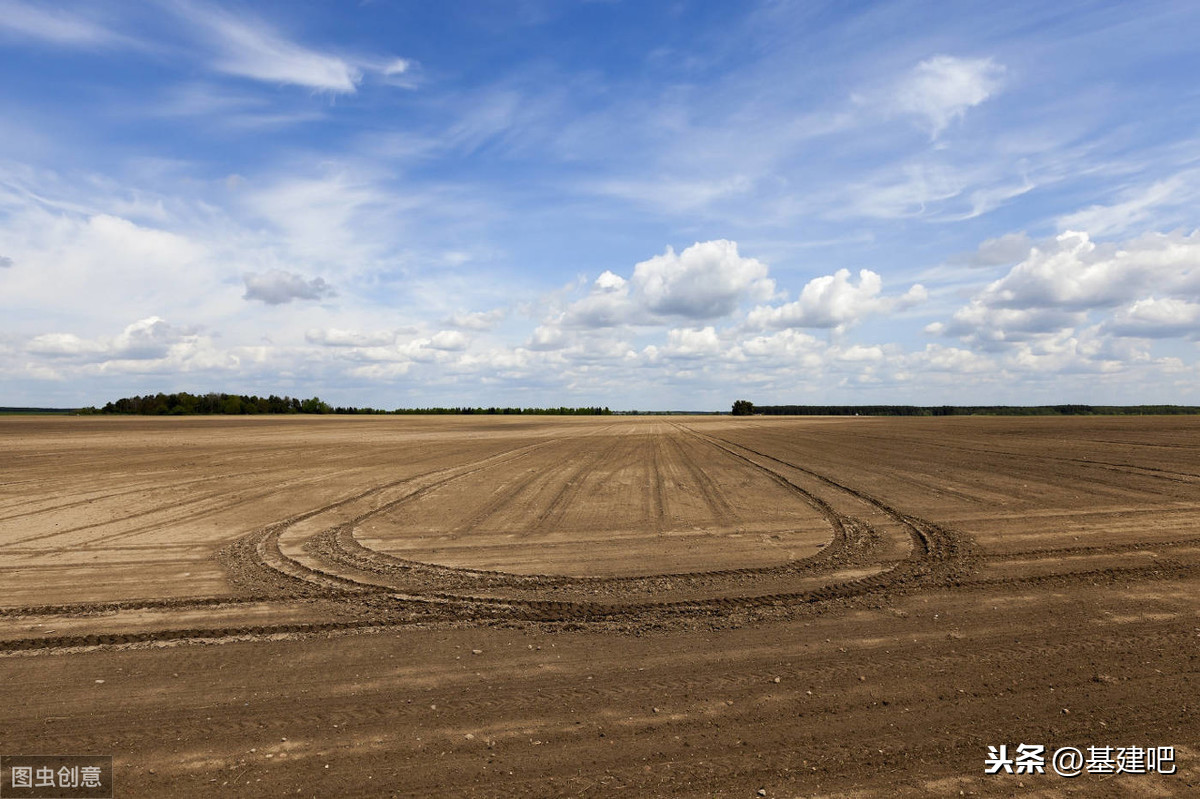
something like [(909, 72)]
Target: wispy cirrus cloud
[(250, 48), (48, 23), (1135, 207)]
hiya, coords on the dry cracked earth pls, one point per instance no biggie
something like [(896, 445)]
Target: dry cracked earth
[(661, 606)]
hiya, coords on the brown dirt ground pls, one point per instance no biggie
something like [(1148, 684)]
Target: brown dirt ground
[(692, 606)]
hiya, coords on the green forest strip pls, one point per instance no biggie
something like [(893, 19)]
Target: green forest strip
[(745, 408), (185, 404)]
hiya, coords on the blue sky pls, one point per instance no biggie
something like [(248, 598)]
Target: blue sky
[(634, 204)]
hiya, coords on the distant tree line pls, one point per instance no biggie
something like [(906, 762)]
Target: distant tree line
[(494, 411), (185, 404), (744, 408)]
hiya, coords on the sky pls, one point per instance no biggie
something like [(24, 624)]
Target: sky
[(640, 205)]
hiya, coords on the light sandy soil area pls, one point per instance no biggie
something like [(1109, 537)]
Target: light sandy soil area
[(693, 606)]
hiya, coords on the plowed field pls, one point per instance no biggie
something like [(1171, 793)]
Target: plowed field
[(693, 606)]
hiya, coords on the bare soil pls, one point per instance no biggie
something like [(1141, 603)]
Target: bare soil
[(691, 606)]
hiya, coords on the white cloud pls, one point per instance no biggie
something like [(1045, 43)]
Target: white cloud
[(547, 337), (609, 281), (77, 264), (278, 287), (148, 338), (1155, 279), (692, 343), (676, 195), (477, 320), (397, 66), (833, 301), (1157, 318), (608, 304), (705, 281), (1067, 352), (1137, 207), (943, 88), (978, 322), (449, 340), (955, 360), (1073, 272), (335, 337), (231, 110), (64, 344), (343, 217), (151, 338), (252, 49), (789, 347), (140, 245), (55, 25), (708, 280), (381, 371), (909, 191), (857, 353)]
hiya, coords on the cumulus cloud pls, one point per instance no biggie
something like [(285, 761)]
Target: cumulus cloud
[(790, 347), (979, 322), (937, 358), (1156, 278), (1069, 351), (449, 340), (857, 353), (146, 339), (278, 287), (64, 344), (5, 262), (692, 343), (707, 280), (943, 88), (547, 337), (1157, 318), (1076, 273), (609, 282), (833, 301)]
